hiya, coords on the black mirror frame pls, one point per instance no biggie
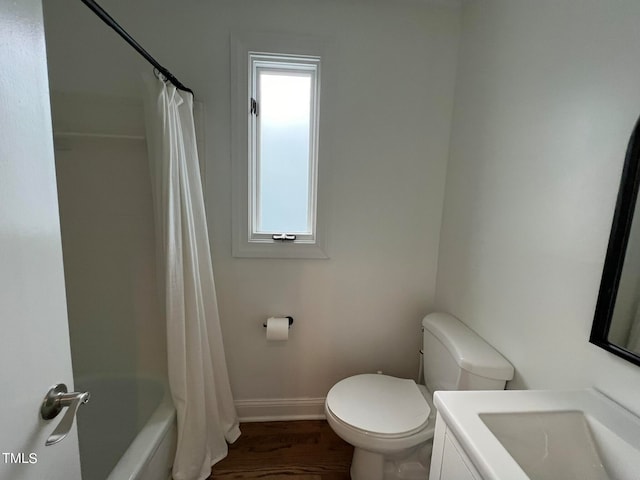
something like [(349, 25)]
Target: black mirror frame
[(614, 260)]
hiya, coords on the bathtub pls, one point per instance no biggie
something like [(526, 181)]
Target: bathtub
[(127, 431)]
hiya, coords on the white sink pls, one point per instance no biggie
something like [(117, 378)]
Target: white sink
[(564, 444), (544, 435)]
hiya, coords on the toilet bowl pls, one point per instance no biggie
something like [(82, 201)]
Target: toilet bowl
[(401, 438), (390, 421)]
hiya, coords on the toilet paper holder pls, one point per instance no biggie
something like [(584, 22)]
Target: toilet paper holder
[(287, 317)]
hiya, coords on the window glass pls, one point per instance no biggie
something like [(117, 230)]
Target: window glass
[(283, 167)]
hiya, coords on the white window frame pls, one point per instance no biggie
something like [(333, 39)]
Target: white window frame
[(249, 53), (291, 64)]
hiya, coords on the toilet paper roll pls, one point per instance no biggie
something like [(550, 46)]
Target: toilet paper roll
[(277, 328)]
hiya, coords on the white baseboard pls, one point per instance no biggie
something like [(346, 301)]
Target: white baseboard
[(279, 409)]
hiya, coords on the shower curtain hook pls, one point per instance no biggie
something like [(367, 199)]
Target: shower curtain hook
[(159, 75)]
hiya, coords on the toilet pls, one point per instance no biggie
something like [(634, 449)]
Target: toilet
[(390, 421)]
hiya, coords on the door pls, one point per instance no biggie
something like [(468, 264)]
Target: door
[(34, 334)]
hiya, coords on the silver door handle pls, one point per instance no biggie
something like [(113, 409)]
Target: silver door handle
[(56, 399)]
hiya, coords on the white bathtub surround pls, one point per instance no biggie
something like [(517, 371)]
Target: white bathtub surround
[(196, 361)]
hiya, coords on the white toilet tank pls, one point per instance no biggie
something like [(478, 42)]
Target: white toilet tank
[(456, 358)]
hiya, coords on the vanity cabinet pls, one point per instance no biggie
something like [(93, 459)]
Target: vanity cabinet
[(448, 460)]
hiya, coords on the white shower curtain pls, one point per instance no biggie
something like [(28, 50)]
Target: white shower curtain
[(197, 368)]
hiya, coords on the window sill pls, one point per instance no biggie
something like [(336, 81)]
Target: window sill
[(278, 250)]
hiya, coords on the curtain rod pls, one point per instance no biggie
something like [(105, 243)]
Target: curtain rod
[(106, 18)]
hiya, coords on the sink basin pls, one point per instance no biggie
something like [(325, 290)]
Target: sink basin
[(540, 435), (563, 444)]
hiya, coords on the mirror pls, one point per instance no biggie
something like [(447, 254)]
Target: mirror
[(616, 325)]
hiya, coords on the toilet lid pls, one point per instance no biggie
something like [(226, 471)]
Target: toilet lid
[(379, 404)]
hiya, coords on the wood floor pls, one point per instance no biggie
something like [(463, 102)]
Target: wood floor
[(301, 450)]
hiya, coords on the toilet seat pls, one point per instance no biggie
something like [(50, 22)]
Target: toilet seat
[(379, 405)]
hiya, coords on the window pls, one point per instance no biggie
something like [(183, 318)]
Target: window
[(276, 187), (283, 131)]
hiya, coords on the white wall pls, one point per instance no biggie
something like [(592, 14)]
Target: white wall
[(546, 97), (389, 79)]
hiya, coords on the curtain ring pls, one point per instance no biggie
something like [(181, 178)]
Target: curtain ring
[(159, 75)]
